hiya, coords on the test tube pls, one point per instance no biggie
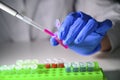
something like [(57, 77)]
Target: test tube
[(54, 63), (60, 63), (67, 67), (1, 69), (90, 66), (57, 23), (12, 68), (82, 66), (34, 68), (47, 63), (4, 67), (26, 68), (35, 61), (9, 69), (27, 62), (19, 62), (18, 69), (75, 66)]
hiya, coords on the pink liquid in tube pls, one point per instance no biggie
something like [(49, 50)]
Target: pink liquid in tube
[(52, 34)]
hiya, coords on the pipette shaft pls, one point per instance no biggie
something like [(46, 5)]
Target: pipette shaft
[(29, 21)]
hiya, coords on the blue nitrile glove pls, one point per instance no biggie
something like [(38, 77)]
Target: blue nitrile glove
[(82, 33)]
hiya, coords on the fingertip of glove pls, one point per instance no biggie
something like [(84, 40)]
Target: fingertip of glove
[(53, 41), (61, 35), (66, 42)]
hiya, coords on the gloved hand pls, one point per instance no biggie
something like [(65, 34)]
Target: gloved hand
[(82, 33)]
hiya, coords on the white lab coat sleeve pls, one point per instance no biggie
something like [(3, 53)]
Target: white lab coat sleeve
[(114, 36), (114, 33)]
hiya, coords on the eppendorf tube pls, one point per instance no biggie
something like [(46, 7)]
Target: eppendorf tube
[(67, 67)]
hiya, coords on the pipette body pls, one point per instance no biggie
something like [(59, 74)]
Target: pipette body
[(29, 21)]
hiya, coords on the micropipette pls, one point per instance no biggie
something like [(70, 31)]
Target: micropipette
[(29, 21)]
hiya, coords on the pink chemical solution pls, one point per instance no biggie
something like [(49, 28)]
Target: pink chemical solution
[(52, 34)]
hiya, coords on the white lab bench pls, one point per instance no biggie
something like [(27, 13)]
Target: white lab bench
[(10, 52)]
